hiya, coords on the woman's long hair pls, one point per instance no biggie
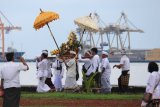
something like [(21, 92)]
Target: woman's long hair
[(153, 66)]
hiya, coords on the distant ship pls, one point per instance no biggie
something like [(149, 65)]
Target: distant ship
[(6, 29), (135, 55), (17, 54)]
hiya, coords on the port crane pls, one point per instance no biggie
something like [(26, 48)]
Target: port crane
[(121, 33), (116, 36), (5, 29)]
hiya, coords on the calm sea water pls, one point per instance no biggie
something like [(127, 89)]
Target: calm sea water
[(138, 74)]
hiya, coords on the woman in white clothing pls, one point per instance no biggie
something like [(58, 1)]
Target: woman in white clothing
[(58, 72), (153, 86)]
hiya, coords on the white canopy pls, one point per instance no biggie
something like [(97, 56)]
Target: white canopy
[(87, 23)]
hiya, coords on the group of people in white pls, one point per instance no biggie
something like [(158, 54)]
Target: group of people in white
[(44, 72), (10, 82), (91, 65)]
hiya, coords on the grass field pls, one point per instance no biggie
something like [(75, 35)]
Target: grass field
[(63, 95)]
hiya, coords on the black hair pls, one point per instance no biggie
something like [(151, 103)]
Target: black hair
[(94, 50), (153, 66), (9, 56), (45, 55)]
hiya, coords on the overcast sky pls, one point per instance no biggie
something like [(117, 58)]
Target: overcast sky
[(143, 13)]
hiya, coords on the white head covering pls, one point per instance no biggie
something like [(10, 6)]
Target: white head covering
[(105, 53), (72, 52), (45, 52)]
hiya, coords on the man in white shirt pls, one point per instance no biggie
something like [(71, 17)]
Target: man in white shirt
[(86, 59), (123, 80), (70, 81), (95, 61), (44, 74), (105, 74), (48, 69), (9, 75)]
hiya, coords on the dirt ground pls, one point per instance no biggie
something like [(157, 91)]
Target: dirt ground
[(79, 103)]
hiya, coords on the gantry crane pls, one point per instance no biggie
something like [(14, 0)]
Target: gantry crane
[(122, 26), (7, 29), (117, 35)]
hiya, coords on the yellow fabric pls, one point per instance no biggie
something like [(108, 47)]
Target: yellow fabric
[(55, 52), (44, 18)]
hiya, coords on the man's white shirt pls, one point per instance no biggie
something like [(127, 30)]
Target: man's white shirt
[(44, 69), (126, 63), (10, 73), (58, 64), (87, 62), (71, 72), (95, 62), (105, 64)]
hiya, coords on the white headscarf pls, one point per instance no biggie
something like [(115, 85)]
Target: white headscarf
[(45, 52), (105, 53)]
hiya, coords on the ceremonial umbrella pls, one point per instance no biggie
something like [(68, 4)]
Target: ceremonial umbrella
[(43, 19), (87, 23)]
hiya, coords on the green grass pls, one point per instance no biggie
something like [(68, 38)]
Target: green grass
[(63, 95)]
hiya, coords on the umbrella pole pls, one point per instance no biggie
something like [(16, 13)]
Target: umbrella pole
[(53, 36), (82, 36), (84, 30), (55, 42)]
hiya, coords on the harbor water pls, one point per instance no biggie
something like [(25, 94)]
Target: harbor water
[(138, 74)]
